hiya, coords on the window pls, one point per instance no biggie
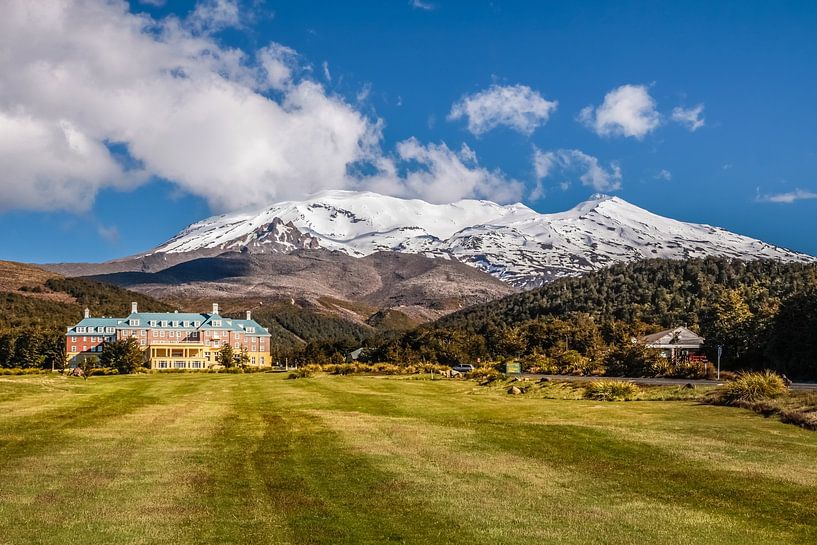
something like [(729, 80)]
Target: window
[(85, 339), (81, 330), (143, 333), (251, 330), (216, 323), (84, 347), (196, 365), (164, 323), (262, 360), (196, 323), (162, 365), (253, 360), (134, 322), (175, 323), (73, 348), (155, 333), (109, 330), (152, 323), (179, 364), (162, 333)]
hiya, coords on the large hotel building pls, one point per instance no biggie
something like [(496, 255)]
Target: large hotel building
[(171, 340)]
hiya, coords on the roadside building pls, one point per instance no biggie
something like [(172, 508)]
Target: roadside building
[(678, 344), (171, 340)]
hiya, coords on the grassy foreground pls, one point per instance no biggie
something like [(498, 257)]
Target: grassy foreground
[(258, 459)]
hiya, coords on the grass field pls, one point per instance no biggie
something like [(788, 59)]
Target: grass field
[(258, 459)]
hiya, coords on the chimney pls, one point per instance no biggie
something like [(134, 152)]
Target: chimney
[(133, 308), (215, 308), (249, 315), (87, 313)]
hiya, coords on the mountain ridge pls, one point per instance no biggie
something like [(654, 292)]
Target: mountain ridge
[(511, 242)]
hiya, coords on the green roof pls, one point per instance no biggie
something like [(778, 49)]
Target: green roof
[(145, 318)]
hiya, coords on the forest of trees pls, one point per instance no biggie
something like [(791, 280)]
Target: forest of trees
[(763, 313)]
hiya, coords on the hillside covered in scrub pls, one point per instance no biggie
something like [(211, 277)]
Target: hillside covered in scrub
[(37, 305)]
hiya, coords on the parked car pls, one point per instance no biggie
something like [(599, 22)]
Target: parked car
[(463, 368)]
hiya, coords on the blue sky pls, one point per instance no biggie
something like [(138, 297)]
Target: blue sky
[(97, 174)]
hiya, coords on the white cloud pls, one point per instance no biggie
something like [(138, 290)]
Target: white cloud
[(436, 173), (421, 4), (628, 110), (689, 117), (567, 163), (326, 73), (516, 106), (109, 233), (214, 15), (788, 197), (664, 174), (237, 129)]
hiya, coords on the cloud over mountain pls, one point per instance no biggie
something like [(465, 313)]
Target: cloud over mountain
[(515, 106), (628, 110), (234, 127)]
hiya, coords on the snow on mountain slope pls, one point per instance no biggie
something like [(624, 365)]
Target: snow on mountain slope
[(514, 243)]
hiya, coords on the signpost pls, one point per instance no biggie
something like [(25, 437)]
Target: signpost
[(513, 368), (720, 351)]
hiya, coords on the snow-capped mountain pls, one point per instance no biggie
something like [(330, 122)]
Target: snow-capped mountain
[(513, 243)]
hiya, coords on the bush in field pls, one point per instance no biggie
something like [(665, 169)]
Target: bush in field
[(20, 371), (304, 371), (611, 390), (103, 371), (485, 374), (751, 387)]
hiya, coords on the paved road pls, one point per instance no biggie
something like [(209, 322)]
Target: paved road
[(660, 381)]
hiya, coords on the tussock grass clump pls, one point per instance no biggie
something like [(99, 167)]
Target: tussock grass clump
[(611, 390), (485, 374), (751, 387), (304, 371), (23, 371)]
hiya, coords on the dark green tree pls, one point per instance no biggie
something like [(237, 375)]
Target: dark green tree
[(124, 355), (226, 356)]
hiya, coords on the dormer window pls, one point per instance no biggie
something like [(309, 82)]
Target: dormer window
[(175, 323), (81, 329), (134, 322), (250, 330), (216, 323), (164, 323), (196, 323)]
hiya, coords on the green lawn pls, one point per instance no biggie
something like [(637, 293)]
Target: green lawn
[(259, 459)]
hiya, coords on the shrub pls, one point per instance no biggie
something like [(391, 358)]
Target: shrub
[(23, 371), (102, 371), (485, 374), (611, 390), (304, 371), (751, 387)]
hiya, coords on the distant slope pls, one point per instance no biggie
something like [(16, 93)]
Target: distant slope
[(33, 298), (513, 243), (334, 282)]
